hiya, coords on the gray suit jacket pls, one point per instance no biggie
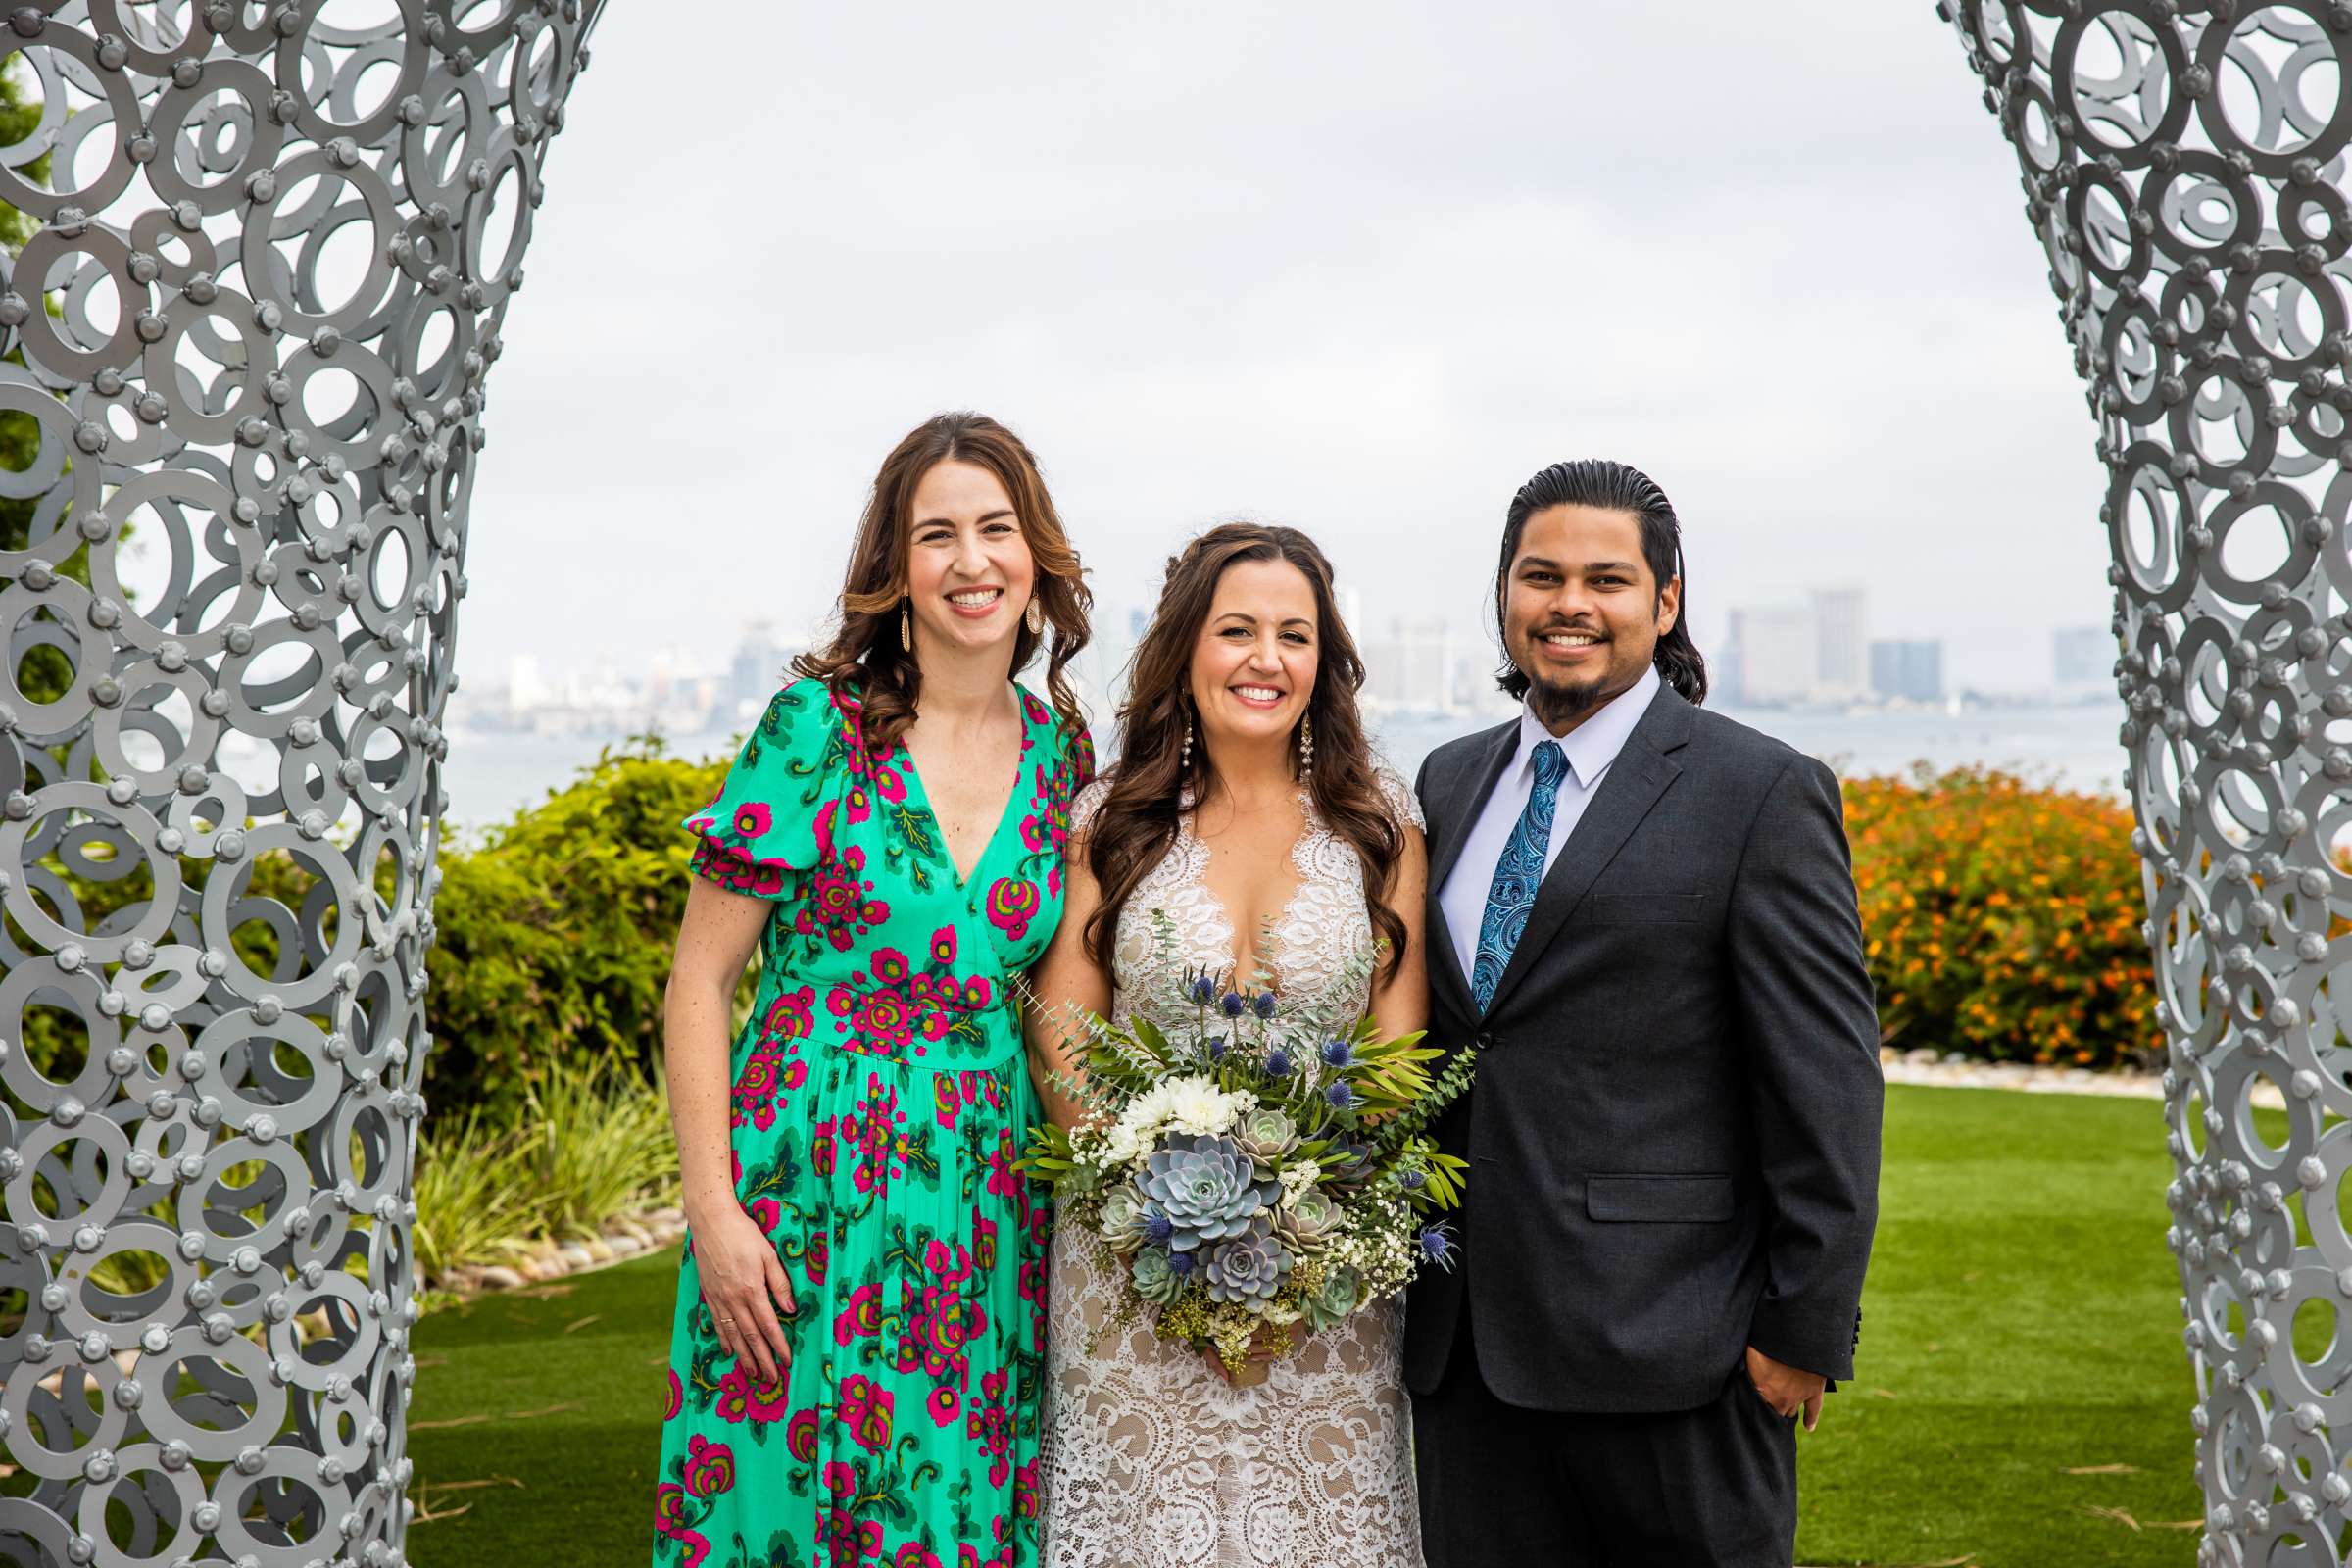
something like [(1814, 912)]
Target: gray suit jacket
[(1673, 1133)]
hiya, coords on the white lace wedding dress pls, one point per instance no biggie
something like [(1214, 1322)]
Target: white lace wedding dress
[(1150, 1460)]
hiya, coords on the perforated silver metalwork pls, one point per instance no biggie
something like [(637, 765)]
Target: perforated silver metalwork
[(2184, 169), (276, 243)]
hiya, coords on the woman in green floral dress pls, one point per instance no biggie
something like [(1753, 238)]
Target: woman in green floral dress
[(858, 1346)]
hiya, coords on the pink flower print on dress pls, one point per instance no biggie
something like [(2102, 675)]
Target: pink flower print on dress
[(709, 1467), (866, 1410), (837, 901), (1012, 903), (817, 1258), (677, 1397), (943, 947), (914, 1554), (750, 820), (860, 1317), (849, 1540), (944, 1404), (740, 1399), (991, 1423), (669, 1523), (879, 1022), (1024, 1492), (800, 1435), (947, 1097), (984, 1243), (791, 1016)]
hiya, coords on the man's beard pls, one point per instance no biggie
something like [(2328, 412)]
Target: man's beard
[(1555, 703)]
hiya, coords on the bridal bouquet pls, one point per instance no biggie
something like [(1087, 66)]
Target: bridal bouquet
[(1258, 1167)]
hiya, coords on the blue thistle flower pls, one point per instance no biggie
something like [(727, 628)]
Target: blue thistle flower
[(1203, 990), (1263, 1005), (1157, 1227), (1338, 1052), (1278, 1064), (1232, 1007), (1216, 1048), (1412, 1181), (1341, 1096), (1437, 1245), (1183, 1262)]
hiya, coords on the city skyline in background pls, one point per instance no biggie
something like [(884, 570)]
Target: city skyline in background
[(1817, 654)]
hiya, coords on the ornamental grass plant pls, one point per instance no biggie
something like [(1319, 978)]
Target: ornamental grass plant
[(2002, 918)]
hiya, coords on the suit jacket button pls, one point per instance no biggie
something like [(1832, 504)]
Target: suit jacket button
[(1484, 1040)]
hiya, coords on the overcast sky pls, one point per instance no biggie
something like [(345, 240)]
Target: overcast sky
[(1358, 267)]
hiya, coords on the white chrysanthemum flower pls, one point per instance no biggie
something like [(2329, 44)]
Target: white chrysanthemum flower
[(1297, 1179), (1196, 1105)]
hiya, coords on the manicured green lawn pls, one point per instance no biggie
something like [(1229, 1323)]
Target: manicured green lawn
[(2022, 1323)]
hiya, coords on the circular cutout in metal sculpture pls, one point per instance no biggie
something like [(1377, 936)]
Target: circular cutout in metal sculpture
[(247, 345), (2184, 169)]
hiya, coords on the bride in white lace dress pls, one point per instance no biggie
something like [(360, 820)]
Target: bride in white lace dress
[(1245, 808)]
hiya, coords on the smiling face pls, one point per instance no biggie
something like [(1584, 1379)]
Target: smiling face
[(1582, 613), (969, 573), (1253, 664)]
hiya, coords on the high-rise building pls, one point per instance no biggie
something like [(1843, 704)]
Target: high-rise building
[(1413, 666), (2083, 660), (1776, 652), (1840, 645), (758, 667), (1907, 671)]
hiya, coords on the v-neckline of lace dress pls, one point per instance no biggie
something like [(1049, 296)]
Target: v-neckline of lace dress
[(1316, 933)]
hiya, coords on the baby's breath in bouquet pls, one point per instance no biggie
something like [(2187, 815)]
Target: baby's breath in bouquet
[(1254, 1167)]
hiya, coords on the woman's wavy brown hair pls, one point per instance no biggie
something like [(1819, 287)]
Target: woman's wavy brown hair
[(1137, 822), (864, 653)]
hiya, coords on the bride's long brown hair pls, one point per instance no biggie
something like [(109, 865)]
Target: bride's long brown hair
[(1136, 824), (864, 652)]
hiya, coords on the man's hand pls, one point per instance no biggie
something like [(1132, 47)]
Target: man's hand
[(1786, 1389)]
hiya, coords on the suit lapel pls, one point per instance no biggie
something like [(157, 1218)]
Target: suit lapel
[(1470, 782), (1634, 782)]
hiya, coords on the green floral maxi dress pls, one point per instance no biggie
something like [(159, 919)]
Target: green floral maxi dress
[(880, 1099)]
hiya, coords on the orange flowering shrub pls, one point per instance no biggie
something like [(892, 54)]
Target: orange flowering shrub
[(2002, 920)]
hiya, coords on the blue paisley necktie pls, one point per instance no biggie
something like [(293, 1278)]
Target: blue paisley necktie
[(1517, 875)]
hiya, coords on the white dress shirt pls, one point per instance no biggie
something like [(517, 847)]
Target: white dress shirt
[(1590, 748)]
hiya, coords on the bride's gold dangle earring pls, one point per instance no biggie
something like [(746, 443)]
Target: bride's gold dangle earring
[(1184, 763), (1034, 617), (907, 625), (1307, 745)]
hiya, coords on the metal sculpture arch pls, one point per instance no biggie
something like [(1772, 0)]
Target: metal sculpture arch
[(2184, 168), (275, 242)]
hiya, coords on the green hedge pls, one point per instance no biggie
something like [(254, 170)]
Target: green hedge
[(554, 934)]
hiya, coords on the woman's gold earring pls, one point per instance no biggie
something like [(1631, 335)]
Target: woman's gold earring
[(1035, 615), (1306, 743), (907, 625), (1184, 763)]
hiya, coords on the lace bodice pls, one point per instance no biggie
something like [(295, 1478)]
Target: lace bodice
[(1307, 947), (1151, 1461)]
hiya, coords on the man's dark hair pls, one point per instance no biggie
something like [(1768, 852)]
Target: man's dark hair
[(1613, 487)]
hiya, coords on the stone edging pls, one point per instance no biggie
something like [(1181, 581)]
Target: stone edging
[(624, 1237), (1931, 1069)]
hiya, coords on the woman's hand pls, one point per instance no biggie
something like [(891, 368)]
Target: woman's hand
[(747, 1288), (1271, 1341)]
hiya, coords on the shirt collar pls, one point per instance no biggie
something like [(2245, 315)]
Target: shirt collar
[(1594, 745)]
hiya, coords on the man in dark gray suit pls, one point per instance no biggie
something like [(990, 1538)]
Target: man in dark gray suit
[(1644, 915)]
